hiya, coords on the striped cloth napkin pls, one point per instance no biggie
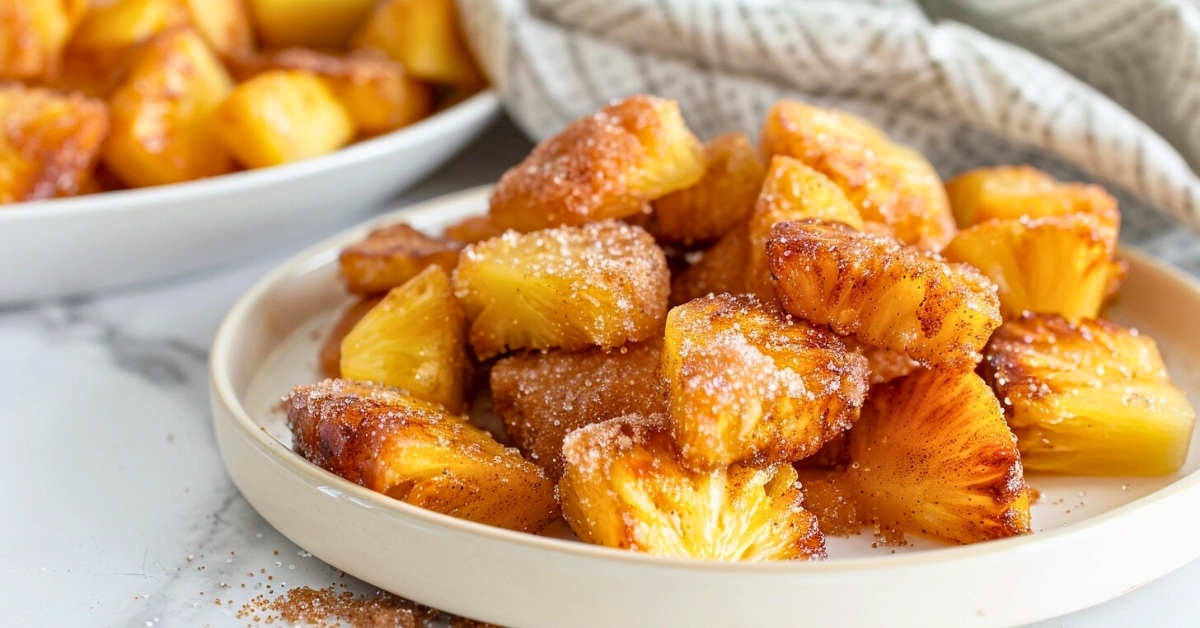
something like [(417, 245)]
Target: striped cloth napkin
[(1107, 90)]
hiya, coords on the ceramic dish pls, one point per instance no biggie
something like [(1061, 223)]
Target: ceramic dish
[(1095, 539), (75, 245)]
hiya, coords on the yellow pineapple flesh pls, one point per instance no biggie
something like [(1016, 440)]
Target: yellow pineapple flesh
[(718, 202), (890, 184), (1013, 192), (162, 114), (622, 488), (49, 142), (1056, 264), (330, 355), (281, 116), (418, 453), (391, 255), (601, 284), (543, 396), (888, 295), (33, 34), (611, 164), (749, 384), (413, 340), (792, 191), (1089, 398), (424, 36), (932, 455), (376, 92)]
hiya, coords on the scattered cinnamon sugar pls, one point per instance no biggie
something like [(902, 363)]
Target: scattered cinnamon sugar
[(329, 608)]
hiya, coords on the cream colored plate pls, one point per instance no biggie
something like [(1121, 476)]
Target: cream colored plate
[(97, 242), (1095, 539)]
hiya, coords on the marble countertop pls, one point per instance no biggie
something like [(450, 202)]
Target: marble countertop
[(117, 510)]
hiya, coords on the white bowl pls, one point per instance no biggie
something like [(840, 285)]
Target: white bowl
[(77, 245), (1095, 538)]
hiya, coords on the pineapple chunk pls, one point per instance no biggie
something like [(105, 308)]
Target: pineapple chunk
[(109, 28), (889, 183), (792, 191), (607, 165), (282, 116), (330, 356), (424, 36), (49, 143), (888, 295), (376, 91), (601, 284), (623, 489), (418, 453), (544, 396), (1091, 398), (312, 23), (883, 365), (1056, 264), (720, 269), (751, 385), (1013, 192), (414, 340), (224, 24), (391, 255), (933, 455), (472, 229), (718, 202), (33, 34), (162, 129)]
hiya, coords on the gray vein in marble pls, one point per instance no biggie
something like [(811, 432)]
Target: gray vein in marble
[(159, 361)]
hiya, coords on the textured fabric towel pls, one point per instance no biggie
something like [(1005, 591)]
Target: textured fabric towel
[(1122, 105)]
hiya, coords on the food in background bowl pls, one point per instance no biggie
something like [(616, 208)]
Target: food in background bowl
[(135, 93)]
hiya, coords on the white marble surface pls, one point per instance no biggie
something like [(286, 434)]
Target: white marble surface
[(116, 507)]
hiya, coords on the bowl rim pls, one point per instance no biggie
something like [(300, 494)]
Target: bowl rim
[(223, 350), (482, 103)]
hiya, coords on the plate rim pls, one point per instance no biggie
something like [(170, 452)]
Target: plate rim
[(131, 200)]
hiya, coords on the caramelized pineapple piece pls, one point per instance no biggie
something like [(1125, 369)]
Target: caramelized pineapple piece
[(329, 357), (888, 295), (933, 455), (414, 340), (418, 453), (622, 488), (33, 34), (722, 199), (391, 255), (224, 24), (1013, 192), (890, 184), (111, 27), (601, 284), (1056, 264), (792, 191), (325, 24), (751, 385), (282, 116), (610, 164), (162, 129), (544, 396), (1118, 268), (720, 269), (472, 229), (49, 142), (424, 36), (883, 365), (376, 91), (1091, 398)]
